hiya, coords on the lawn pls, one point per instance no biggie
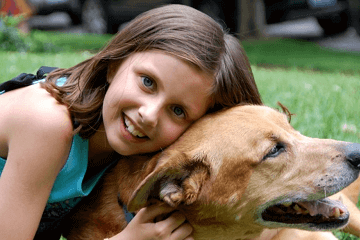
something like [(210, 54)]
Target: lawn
[(320, 86), (14, 63), (323, 102), (300, 54)]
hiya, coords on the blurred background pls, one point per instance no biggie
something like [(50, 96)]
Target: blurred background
[(331, 23)]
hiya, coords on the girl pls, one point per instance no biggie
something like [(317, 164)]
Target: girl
[(162, 72)]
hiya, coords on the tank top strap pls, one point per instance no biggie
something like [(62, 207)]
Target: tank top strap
[(25, 79)]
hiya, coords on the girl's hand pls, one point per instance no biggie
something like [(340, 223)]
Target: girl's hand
[(145, 227)]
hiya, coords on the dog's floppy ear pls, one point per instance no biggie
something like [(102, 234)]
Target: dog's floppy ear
[(176, 179)]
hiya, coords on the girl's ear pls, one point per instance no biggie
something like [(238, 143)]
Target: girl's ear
[(112, 70)]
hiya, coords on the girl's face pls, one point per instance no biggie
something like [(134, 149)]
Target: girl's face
[(152, 99)]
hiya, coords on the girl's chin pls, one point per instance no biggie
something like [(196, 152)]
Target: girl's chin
[(127, 152)]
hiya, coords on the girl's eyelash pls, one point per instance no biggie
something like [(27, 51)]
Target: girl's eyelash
[(148, 82), (182, 111)]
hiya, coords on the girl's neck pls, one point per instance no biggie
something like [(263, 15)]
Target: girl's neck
[(99, 149)]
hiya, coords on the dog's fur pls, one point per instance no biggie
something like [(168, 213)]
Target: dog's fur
[(224, 173)]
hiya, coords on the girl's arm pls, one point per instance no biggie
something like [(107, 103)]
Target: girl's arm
[(38, 133)]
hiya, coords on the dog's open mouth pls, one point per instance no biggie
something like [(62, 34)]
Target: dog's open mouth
[(321, 214)]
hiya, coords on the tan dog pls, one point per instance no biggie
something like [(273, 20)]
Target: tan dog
[(233, 174)]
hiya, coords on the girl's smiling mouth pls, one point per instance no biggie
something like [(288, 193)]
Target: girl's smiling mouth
[(132, 129)]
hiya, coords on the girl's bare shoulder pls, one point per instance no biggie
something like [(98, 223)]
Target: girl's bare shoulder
[(33, 110)]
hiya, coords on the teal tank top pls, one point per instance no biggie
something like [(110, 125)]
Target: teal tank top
[(70, 180)]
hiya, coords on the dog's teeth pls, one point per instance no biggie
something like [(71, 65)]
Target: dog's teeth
[(297, 208), (287, 204)]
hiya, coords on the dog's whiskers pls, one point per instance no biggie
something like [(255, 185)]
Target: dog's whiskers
[(326, 176)]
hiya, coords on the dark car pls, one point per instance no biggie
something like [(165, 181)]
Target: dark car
[(105, 16), (72, 7), (332, 15)]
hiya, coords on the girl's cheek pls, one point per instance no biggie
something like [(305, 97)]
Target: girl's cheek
[(172, 132)]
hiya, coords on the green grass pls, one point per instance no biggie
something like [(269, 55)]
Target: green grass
[(342, 236), (70, 42), (300, 54), (286, 53), (322, 102), (14, 63)]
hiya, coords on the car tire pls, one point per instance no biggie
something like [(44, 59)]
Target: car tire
[(95, 18), (354, 6), (356, 22), (75, 12), (75, 18), (335, 24)]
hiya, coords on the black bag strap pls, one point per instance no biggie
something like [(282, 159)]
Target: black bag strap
[(25, 79)]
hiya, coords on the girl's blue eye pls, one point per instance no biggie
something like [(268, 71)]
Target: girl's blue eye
[(147, 82), (178, 111)]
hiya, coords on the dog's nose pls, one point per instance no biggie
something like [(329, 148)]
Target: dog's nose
[(352, 152)]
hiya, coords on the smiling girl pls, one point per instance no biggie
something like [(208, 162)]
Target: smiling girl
[(163, 71)]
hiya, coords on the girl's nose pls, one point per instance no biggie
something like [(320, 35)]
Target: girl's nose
[(149, 114)]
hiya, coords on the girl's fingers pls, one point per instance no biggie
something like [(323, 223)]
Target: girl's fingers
[(183, 232), (148, 214), (173, 227), (173, 221), (177, 228)]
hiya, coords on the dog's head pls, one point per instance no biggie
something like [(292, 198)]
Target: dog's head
[(240, 170)]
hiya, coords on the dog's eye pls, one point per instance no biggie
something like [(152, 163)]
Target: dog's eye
[(275, 151)]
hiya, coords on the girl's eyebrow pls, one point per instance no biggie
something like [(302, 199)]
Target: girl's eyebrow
[(148, 70)]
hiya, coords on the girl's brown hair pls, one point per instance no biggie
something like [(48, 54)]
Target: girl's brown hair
[(174, 29)]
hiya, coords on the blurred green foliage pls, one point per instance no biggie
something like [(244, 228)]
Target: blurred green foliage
[(11, 39)]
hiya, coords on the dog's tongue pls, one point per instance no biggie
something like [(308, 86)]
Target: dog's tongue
[(325, 207)]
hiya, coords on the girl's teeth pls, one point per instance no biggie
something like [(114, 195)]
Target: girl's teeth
[(137, 133), (127, 122), (131, 129)]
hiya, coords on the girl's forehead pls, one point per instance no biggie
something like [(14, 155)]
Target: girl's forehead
[(158, 58), (192, 61)]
